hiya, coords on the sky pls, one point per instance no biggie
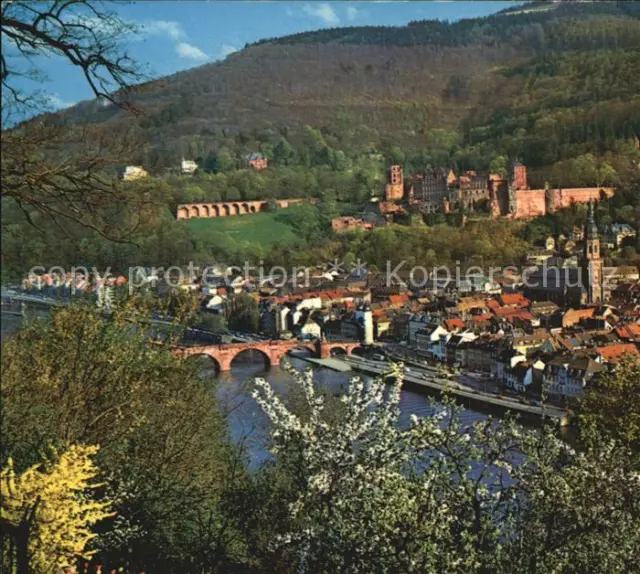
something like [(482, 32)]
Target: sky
[(178, 35)]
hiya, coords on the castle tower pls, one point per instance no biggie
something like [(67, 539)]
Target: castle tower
[(519, 176), (591, 267), (395, 188)]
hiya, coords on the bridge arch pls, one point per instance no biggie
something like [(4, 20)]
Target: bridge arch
[(337, 350), (206, 361), (245, 208), (252, 209), (235, 209), (215, 212), (183, 213), (225, 209), (195, 211), (251, 350), (302, 347), (204, 211)]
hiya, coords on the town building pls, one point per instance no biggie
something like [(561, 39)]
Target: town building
[(615, 234), (257, 161), (349, 223), (188, 166), (133, 173), (566, 376)]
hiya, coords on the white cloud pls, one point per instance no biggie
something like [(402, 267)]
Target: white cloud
[(323, 11), (226, 50), (352, 12), (164, 28), (185, 50), (55, 102)]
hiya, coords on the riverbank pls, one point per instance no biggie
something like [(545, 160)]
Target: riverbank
[(429, 382)]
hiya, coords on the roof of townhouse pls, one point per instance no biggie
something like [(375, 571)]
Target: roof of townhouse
[(613, 353), (483, 318), (399, 299), (514, 299), (508, 311), (630, 331), (453, 324), (577, 314), (468, 303), (576, 362)]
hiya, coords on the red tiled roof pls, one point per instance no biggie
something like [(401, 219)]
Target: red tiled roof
[(506, 311), (631, 331), (524, 315), (514, 299), (581, 313), (399, 299), (613, 353), (453, 324), (482, 318)]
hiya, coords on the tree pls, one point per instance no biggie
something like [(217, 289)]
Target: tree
[(48, 511), (283, 153), (367, 493), (210, 164), (306, 221), (83, 378), (328, 209), (72, 186), (499, 165), (610, 406), (243, 314)]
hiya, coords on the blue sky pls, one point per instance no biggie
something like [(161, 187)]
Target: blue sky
[(177, 35)]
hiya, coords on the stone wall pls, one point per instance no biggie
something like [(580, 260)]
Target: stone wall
[(531, 202)]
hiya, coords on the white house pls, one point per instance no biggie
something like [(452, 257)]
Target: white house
[(567, 376), (428, 341), (188, 166), (506, 361)]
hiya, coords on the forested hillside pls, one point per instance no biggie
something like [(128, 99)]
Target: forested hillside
[(547, 82), (555, 84)]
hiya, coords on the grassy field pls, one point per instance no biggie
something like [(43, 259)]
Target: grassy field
[(262, 228)]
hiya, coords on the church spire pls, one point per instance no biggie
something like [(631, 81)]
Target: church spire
[(591, 231)]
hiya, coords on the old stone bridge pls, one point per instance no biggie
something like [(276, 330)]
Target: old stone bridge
[(273, 351), (228, 208)]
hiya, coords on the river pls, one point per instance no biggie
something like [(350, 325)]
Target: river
[(248, 422), (246, 419)]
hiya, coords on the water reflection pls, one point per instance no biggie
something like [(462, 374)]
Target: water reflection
[(248, 423)]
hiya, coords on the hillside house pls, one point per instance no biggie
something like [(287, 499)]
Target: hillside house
[(133, 173), (256, 161), (188, 166)]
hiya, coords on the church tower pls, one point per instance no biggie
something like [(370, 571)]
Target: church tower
[(592, 268)]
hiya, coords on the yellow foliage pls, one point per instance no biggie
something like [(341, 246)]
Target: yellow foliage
[(55, 498)]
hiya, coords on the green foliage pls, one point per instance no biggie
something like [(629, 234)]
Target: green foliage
[(610, 407), (80, 377), (366, 493), (243, 313)]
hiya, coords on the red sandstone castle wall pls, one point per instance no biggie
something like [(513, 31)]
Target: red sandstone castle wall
[(530, 203), (563, 198)]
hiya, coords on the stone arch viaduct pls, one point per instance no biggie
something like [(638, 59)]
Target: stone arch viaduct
[(227, 208), (274, 351)]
